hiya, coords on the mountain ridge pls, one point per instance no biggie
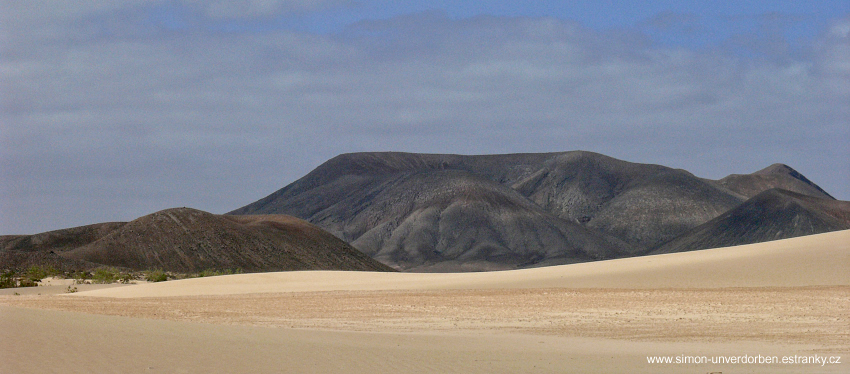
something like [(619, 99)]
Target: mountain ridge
[(641, 205), (771, 215), (188, 240)]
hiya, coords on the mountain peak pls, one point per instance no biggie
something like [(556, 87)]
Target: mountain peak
[(779, 168), (773, 214), (776, 175)]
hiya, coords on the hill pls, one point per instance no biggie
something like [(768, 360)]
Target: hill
[(516, 210), (23, 251), (189, 240), (771, 215), (773, 176), (452, 220), (641, 204), (455, 212)]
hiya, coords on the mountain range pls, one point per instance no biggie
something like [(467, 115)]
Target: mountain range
[(430, 212), (381, 211), (188, 240)]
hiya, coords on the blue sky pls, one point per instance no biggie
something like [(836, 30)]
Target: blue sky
[(112, 110), (708, 21)]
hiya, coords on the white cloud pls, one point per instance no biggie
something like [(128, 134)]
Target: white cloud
[(124, 119), (261, 8)]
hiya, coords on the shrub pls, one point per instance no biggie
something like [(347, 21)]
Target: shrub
[(111, 275), (125, 278), (208, 273), (81, 276), (214, 272), (104, 275), (7, 279), (156, 276), (36, 273), (27, 282)]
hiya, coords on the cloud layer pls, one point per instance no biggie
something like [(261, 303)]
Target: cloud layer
[(109, 113)]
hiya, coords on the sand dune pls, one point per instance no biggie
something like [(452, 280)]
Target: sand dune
[(816, 260), (783, 298), (42, 341)]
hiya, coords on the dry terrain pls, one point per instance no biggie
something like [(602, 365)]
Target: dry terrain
[(779, 299), (186, 240), (450, 213)]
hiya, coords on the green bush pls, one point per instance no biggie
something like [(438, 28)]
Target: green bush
[(156, 276), (125, 278), (105, 275), (36, 273), (81, 276), (111, 275), (26, 282), (214, 272), (7, 279), (208, 273)]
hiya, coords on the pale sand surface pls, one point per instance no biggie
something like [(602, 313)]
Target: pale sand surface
[(68, 342), (56, 285), (54, 288), (780, 299), (806, 261)]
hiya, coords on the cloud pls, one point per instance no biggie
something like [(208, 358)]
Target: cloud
[(229, 9), (110, 120)]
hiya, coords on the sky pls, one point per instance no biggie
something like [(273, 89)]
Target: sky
[(113, 110)]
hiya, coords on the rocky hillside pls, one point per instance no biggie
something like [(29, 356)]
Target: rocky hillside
[(189, 240), (429, 212), (771, 215)]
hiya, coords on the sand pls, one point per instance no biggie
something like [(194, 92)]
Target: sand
[(808, 261), (777, 299)]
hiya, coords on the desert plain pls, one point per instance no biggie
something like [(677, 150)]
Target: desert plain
[(787, 299)]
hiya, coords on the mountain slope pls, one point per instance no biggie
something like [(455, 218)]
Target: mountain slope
[(642, 204), (23, 251), (189, 240), (454, 220), (771, 215), (600, 192), (531, 209), (773, 176), (573, 206), (429, 218)]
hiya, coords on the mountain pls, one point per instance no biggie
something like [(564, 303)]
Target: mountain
[(189, 240), (431, 212), (771, 215), (438, 212), (773, 176), (451, 220), (23, 251), (643, 205)]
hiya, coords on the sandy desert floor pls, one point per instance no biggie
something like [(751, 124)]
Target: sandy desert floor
[(787, 300)]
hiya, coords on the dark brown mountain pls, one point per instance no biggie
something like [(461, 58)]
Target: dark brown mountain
[(771, 215), (644, 205), (23, 251), (442, 220), (189, 240), (773, 176), (59, 240), (429, 212), (408, 211)]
